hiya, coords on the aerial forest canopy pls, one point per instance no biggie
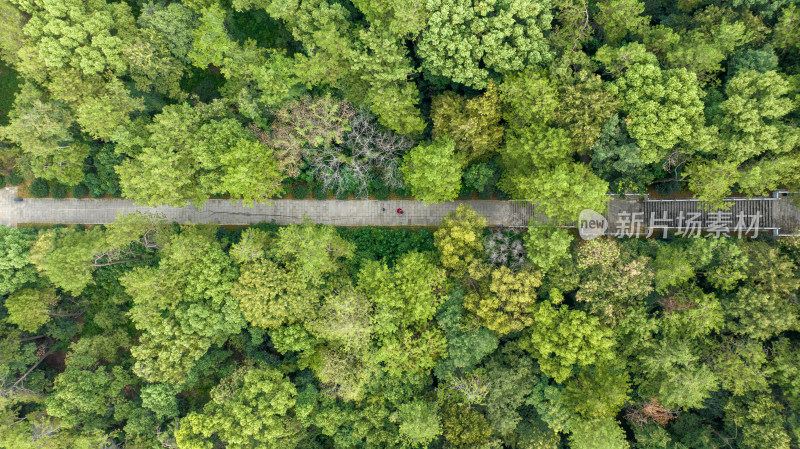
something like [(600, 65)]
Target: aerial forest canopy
[(144, 334), (562, 102)]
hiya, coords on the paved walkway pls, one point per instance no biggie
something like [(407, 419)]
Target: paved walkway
[(375, 213), (333, 212)]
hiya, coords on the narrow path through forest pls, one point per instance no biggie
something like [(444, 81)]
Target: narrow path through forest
[(225, 212), (780, 214)]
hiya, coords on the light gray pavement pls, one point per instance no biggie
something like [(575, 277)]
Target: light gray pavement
[(332, 212), (786, 213)]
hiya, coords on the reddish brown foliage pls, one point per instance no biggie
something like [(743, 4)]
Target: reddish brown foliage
[(651, 411)]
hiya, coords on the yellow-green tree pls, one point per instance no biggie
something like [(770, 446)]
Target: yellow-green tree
[(473, 124), (30, 309), (459, 239), (562, 339), (270, 296), (502, 299), (433, 171), (253, 407)]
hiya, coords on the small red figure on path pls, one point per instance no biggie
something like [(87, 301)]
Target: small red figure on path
[(400, 211)]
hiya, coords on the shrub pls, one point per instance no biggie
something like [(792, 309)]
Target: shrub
[(403, 192), (2, 181), (465, 193), (286, 187), (377, 243), (342, 194), (39, 188), (501, 195), (58, 191), (104, 159), (320, 193), (382, 192), (96, 189), (300, 191), (379, 189), (479, 176), (485, 194), (79, 191), (13, 179)]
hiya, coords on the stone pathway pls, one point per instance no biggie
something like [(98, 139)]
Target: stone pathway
[(333, 212), (342, 213)]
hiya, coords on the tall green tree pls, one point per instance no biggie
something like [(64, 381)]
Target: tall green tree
[(402, 19), (528, 98), (751, 118), (88, 36), (316, 249), (547, 246), (30, 309), (182, 307), (617, 18), (158, 57), (674, 374), (433, 171), (711, 181), (759, 417), (473, 124), (664, 108), (42, 128), (64, 256), (16, 269), (584, 102), (616, 158), (560, 191), (384, 66), (465, 39), (260, 393), (562, 339), (169, 165), (100, 115)]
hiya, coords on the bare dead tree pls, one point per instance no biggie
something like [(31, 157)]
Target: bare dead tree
[(308, 122), (112, 257), (472, 387), (147, 230), (382, 149), (366, 151), (503, 248), (42, 429), (673, 163)]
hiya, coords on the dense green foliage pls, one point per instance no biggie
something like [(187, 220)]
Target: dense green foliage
[(143, 334), (561, 102)]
